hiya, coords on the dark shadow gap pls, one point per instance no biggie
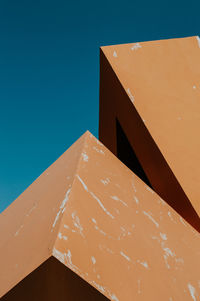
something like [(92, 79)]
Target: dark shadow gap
[(126, 154), (52, 281)]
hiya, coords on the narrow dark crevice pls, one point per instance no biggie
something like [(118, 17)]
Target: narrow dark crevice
[(126, 154)]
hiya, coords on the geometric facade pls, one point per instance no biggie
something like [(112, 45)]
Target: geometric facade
[(89, 214), (151, 91), (117, 219)]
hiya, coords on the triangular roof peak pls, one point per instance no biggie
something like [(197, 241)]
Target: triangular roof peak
[(91, 213)]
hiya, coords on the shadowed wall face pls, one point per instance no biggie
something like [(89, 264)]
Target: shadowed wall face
[(112, 230), (115, 103), (53, 281), (127, 155)]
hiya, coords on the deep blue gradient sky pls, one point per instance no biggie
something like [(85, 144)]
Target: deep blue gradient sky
[(49, 72)]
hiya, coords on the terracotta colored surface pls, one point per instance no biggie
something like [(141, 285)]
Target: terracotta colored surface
[(28, 228), (153, 90), (110, 229)]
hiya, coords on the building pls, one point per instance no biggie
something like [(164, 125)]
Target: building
[(118, 219)]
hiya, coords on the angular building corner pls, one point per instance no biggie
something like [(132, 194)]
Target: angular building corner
[(149, 93), (99, 223)]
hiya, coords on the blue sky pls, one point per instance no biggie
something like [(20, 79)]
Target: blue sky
[(49, 72)]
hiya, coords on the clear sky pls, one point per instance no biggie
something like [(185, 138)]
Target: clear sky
[(49, 72)]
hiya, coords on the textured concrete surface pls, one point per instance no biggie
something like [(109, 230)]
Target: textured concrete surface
[(96, 217), (153, 90), (28, 227)]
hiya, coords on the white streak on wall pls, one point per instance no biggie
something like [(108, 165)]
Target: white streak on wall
[(77, 224), (27, 215), (95, 197), (151, 218), (17, 232), (123, 233), (101, 231), (143, 263), (30, 211), (60, 256), (136, 200), (198, 41), (160, 201), (85, 157), (170, 216), (109, 251), (114, 197), (130, 95), (98, 150), (163, 236), (93, 259), (61, 236), (62, 208), (182, 221), (113, 297), (68, 257), (94, 220), (149, 189), (192, 291), (115, 54), (84, 185), (136, 46), (104, 290), (106, 181), (98, 286), (125, 256), (166, 262), (101, 205), (134, 188), (103, 247), (168, 252)]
